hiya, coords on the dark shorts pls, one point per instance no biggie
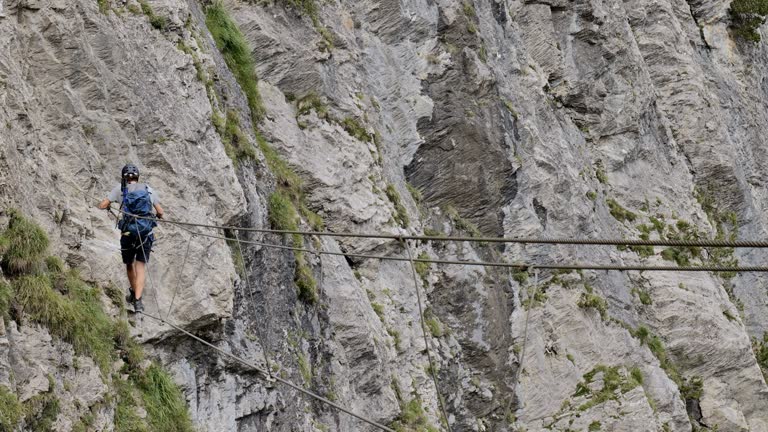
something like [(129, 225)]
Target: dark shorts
[(133, 250)]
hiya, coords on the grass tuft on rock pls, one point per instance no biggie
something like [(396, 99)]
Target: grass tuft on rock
[(356, 129), (71, 310), (401, 214), (283, 216), (614, 384), (461, 223), (237, 55), (620, 213), (760, 349), (412, 418), (23, 244), (422, 268), (165, 405), (127, 418), (236, 143), (592, 300), (157, 21), (6, 295), (76, 318), (11, 410)]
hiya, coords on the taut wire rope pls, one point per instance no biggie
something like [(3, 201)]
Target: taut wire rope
[(264, 348), (432, 366), (267, 376)]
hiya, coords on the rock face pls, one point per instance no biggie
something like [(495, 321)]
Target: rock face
[(484, 117)]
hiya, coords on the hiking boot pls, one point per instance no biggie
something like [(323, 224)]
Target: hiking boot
[(138, 306), (130, 298)]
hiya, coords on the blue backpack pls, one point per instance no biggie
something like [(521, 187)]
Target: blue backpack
[(137, 202)]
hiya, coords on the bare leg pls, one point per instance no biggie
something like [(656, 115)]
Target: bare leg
[(139, 270), (131, 276)]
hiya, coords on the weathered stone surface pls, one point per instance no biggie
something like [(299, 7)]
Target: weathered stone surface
[(530, 118)]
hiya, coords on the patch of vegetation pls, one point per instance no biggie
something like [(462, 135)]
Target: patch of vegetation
[(283, 216), (11, 410), (378, 308), (395, 338), (726, 228), (234, 48), (234, 250), (41, 410), (620, 213), (468, 8), (304, 368), (590, 299), (401, 214), (76, 318), (643, 296), (412, 418), (520, 275), (236, 143), (126, 416), (311, 102), (658, 225), (422, 268), (594, 426), (306, 283), (461, 223), (23, 245), (157, 21), (614, 384), (688, 388), (746, 18), (132, 8), (600, 174), (761, 353), (431, 232), (6, 295), (511, 108), (534, 299), (592, 195), (355, 129), (433, 324), (164, 402), (482, 54), (104, 6), (415, 193), (71, 310), (692, 388)]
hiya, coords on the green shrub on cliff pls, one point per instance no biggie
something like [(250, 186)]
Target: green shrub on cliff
[(747, 16)]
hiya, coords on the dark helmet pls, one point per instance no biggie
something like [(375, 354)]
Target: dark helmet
[(130, 170)]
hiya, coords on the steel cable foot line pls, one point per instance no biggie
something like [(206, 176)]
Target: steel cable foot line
[(558, 241), (181, 273), (266, 375), (253, 305), (432, 367)]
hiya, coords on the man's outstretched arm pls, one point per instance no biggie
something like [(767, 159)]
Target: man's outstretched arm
[(159, 212), (104, 204)]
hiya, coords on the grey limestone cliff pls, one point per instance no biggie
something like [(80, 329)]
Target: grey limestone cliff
[(613, 119)]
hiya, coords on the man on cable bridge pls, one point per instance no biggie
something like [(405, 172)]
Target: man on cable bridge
[(136, 199)]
